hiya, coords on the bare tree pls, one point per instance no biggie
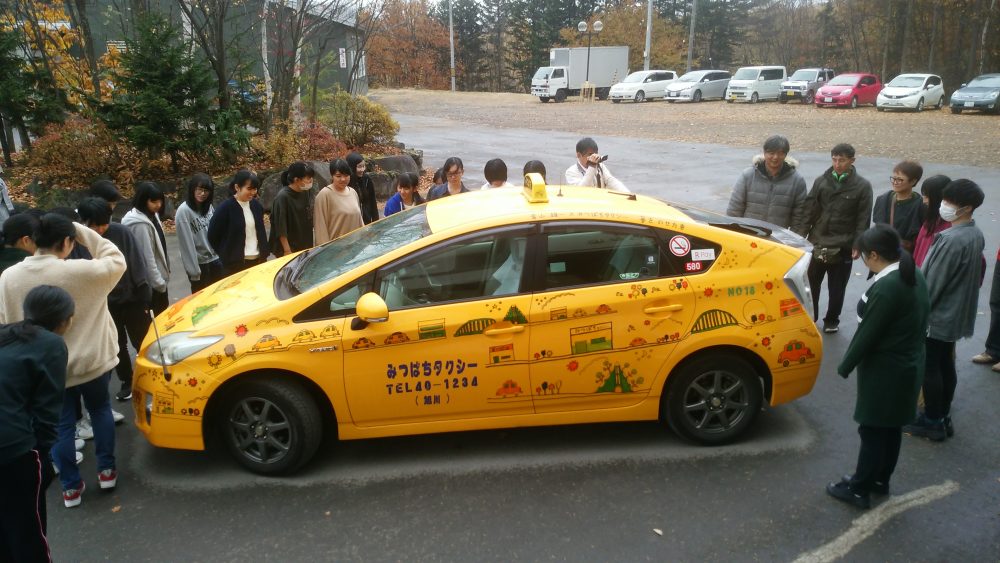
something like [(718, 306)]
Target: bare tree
[(208, 20)]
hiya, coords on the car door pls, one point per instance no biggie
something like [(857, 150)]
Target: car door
[(716, 86), (455, 343), (606, 314), (936, 90)]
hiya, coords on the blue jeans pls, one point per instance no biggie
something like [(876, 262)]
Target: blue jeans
[(98, 402)]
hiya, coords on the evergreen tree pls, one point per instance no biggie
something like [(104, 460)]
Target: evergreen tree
[(29, 97)]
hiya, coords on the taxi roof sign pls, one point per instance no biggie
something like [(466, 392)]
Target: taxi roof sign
[(534, 188)]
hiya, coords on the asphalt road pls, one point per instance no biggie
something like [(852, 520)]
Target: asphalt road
[(620, 492)]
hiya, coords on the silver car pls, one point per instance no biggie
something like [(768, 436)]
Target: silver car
[(699, 85)]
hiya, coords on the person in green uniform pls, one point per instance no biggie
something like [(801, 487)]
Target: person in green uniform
[(888, 352)]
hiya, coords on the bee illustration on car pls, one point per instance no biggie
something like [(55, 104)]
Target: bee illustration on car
[(266, 342)]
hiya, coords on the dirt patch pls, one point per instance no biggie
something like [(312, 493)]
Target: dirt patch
[(929, 136)]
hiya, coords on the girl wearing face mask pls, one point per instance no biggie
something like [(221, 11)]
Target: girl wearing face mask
[(338, 206), (236, 230), (292, 211), (192, 219), (933, 224)]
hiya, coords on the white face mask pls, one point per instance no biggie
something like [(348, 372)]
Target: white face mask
[(948, 212)]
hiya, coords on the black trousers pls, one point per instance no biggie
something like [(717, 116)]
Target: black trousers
[(235, 267), (837, 275), (132, 322), (159, 302), (22, 519), (993, 338), (877, 457), (210, 273), (940, 378)]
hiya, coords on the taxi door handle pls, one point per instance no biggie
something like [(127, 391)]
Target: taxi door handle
[(508, 330), (663, 309)]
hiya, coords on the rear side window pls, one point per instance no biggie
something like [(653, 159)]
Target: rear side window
[(934, 81), (867, 81), (772, 74), (587, 255), (686, 255)]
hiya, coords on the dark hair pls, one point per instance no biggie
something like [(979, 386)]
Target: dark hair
[(407, 180), (353, 160), (964, 193), (63, 211), (296, 170), (452, 161), (842, 149), (340, 165), (932, 188), (534, 166), (19, 226), (438, 176), (884, 241), (911, 168), (196, 181), (45, 306), (94, 211), (777, 143), (586, 145), (495, 171), (146, 192), (106, 190), (52, 231), (241, 178)]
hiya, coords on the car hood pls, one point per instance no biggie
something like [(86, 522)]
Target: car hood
[(834, 89), (795, 83), (678, 86), (227, 303), (977, 89), (898, 91), (623, 87)]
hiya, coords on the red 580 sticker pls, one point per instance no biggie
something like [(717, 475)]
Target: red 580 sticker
[(692, 267)]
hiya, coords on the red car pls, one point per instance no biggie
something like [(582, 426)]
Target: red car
[(850, 89)]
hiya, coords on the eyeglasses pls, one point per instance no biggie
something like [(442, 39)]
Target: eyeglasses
[(454, 174), (898, 179), (203, 189)]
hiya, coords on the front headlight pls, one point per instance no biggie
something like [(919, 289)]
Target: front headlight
[(178, 346), (846, 92)]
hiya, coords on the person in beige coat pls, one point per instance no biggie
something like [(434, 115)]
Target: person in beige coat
[(92, 340), (337, 210)]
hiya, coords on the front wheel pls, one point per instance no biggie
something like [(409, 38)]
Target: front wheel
[(640, 96), (696, 97), (854, 102), (809, 98), (754, 98), (616, 101), (544, 99), (271, 427), (920, 105), (956, 111), (560, 96), (713, 400)]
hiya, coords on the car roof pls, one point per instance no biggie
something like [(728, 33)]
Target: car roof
[(988, 75), (761, 66), (499, 206), (919, 74)]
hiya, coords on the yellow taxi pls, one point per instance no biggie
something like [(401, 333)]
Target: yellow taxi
[(494, 309)]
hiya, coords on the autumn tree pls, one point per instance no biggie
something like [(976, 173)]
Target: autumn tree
[(410, 48), (626, 25)]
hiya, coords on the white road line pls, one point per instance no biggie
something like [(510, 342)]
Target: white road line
[(866, 525)]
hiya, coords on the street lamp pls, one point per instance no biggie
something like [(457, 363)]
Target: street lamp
[(583, 28)]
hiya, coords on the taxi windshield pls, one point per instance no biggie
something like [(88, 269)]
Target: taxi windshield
[(313, 267)]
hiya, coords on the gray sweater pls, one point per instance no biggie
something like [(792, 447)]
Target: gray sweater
[(192, 237), (953, 269), (779, 200)]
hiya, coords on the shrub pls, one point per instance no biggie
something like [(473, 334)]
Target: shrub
[(356, 120), (317, 143)]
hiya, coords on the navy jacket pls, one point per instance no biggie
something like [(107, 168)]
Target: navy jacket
[(227, 230)]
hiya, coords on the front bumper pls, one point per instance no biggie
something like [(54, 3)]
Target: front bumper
[(793, 95), (621, 96), (166, 417), (683, 95), (898, 103), (984, 105), (837, 100)]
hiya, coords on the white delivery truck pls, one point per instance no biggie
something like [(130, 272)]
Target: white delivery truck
[(567, 71)]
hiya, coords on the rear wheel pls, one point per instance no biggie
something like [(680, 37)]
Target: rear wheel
[(713, 400), (640, 96), (696, 97), (854, 102), (271, 427), (754, 98), (940, 103)]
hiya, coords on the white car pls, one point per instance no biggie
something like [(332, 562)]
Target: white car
[(911, 91), (698, 85), (643, 85)]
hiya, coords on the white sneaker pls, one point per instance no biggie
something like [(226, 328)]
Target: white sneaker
[(79, 458), (79, 444), (119, 417), (83, 429)]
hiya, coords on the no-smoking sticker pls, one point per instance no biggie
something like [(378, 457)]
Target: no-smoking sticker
[(680, 245)]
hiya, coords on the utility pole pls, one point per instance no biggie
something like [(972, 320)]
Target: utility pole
[(649, 34), (451, 40), (694, 13)]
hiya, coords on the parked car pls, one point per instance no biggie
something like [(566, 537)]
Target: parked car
[(643, 85), (850, 89), (982, 93), (911, 91), (498, 309), (699, 85), (755, 83), (803, 84)]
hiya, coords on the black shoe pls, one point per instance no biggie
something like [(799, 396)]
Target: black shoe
[(879, 488), (831, 327), (949, 430), (924, 427), (842, 491), (125, 394)]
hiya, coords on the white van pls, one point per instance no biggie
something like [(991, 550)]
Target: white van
[(755, 83)]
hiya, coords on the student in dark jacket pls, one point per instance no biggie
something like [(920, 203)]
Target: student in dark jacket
[(362, 183), (888, 352), (129, 302), (18, 239), (901, 207), (34, 356), (292, 211), (236, 230)]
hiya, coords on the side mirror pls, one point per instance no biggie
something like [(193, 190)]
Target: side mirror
[(370, 309), (963, 85), (760, 78)]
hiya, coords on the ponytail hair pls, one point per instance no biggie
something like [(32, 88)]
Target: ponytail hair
[(45, 306), (296, 170), (884, 241)]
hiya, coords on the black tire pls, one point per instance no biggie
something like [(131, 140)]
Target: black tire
[(854, 102), (544, 99), (920, 105), (878, 108), (640, 97), (560, 96), (809, 98), (782, 101), (730, 100), (956, 111), (940, 103), (696, 97), (671, 101), (616, 101), (271, 427), (603, 93), (754, 98), (713, 400)]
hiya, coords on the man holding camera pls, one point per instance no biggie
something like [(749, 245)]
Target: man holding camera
[(589, 169)]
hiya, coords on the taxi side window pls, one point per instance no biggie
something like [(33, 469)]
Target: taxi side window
[(687, 255), (587, 256), (486, 266)]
